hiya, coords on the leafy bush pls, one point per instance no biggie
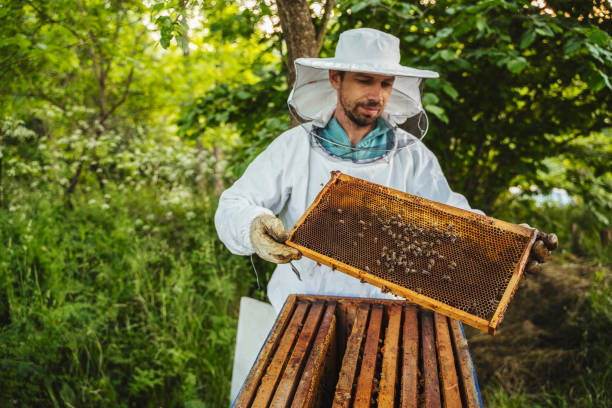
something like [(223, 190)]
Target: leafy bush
[(127, 300)]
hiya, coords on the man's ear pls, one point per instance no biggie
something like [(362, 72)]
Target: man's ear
[(334, 79)]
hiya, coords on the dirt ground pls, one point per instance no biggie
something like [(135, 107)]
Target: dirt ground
[(540, 338)]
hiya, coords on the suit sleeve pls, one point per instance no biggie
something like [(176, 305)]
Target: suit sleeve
[(262, 189)]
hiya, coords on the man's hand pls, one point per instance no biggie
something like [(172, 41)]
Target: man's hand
[(540, 251), (267, 236)]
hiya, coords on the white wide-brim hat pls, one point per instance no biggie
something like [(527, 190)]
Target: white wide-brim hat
[(359, 50)]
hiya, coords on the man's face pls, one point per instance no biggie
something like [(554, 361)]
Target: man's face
[(362, 96)]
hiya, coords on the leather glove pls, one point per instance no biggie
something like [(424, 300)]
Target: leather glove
[(267, 236), (540, 251)]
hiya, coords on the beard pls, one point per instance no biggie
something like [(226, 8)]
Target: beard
[(359, 118)]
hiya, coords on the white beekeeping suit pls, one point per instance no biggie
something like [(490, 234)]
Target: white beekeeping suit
[(286, 178)]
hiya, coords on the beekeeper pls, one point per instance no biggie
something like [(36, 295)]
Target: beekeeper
[(351, 107)]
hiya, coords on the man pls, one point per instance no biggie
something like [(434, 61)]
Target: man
[(353, 104)]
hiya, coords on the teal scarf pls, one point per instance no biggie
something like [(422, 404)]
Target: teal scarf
[(379, 139)]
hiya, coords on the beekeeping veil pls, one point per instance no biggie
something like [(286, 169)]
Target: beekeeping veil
[(313, 99)]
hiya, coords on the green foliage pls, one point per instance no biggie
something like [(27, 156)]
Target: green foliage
[(576, 226), (248, 107), (128, 303), (125, 297), (515, 84)]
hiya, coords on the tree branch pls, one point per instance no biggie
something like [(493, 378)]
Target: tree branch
[(322, 27), (54, 21), (128, 82)]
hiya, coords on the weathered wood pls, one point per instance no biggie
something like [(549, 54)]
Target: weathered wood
[(448, 372), (305, 394), (467, 374), (278, 330), (344, 387), (346, 317), (410, 358), (270, 379), (388, 376), (431, 387), (419, 364), (365, 383), (286, 386)]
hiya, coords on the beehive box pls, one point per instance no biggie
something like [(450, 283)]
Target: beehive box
[(464, 265), (351, 352)]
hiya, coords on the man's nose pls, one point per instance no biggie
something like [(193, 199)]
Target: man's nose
[(376, 93)]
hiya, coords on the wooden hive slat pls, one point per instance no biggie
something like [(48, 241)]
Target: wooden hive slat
[(366, 380), (286, 386), (395, 354), (410, 358), (270, 379), (466, 367), (388, 376), (344, 387), (448, 372), (250, 386), (431, 386), (306, 393)]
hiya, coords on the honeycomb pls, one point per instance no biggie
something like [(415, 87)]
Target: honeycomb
[(462, 259)]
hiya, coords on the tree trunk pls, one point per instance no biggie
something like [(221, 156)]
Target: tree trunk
[(605, 234), (218, 175), (576, 239), (299, 32), (303, 39), (201, 175)]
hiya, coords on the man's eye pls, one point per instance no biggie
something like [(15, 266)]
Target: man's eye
[(387, 84)]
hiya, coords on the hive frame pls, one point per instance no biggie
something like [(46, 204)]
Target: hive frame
[(489, 326), (411, 343)]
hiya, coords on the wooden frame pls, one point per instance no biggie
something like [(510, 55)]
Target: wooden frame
[(426, 301), (390, 347)]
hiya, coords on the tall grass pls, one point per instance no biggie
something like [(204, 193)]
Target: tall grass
[(119, 302)]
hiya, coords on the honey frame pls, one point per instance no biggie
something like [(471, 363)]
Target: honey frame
[(489, 326)]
